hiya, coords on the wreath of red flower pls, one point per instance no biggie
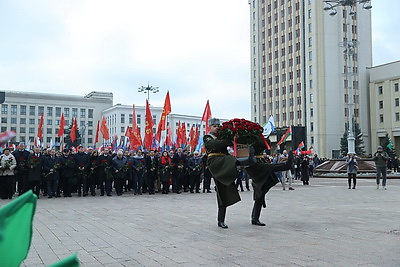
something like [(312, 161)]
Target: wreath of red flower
[(245, 131)]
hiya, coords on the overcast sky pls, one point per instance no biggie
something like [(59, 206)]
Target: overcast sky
[(197, 50)]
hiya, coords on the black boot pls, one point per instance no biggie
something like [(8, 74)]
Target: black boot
[(221, 217), (255, 214)]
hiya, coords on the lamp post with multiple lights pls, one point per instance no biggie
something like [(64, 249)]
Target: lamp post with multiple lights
[(350, 57), (147, 89)]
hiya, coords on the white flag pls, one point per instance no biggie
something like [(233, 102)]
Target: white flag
[(269, 127)]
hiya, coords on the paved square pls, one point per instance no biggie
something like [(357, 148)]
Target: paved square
[(324, 224)]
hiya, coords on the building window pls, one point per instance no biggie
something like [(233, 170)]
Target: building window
[(381, 104), (312, 139), (138, 119), (82, 123), (396, 102), (122, 118), (3, 129), (49, 111), (90, 113), (83, 113), (32, 110), (122, 130), (48, 130), (90, 132), (31, 121), (58, 111), (13, 120), (310, 55), (31, 130), (311, 112), (49, 122), (74, 112), (396, 87), (40, 110), (22, 121), (66, 112), (13, 109), (311, 98), (4, 120), (380, 90), (22, 130), (311, 126), (397, 116), (381, 118), (22, 110)]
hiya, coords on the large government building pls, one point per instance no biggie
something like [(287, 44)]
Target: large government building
[(310, 69)]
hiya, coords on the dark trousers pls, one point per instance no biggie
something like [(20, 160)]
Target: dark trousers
[(352, 176), (35, 187), (137, 182), (221, 213), (206, 183), (6, 186), (176, 181), (151, 177), (255, 214), (52, 183), (119, 184), (22, 179), (195, 182), (66, 185), (105, 186), (239, 183), (165, 187)]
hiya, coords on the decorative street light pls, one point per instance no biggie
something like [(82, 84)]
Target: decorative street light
[(147, 89), (350, 55)]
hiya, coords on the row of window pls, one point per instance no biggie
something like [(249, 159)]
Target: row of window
[(49, 140), (13, 120), (49, 111), (31, 130), (396, 88)]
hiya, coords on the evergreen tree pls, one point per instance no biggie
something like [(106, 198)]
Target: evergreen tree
[(388, 146), (359, 142), (67, 138)]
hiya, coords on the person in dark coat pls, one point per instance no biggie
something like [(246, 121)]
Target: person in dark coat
[(165, 168), (263, 179), (305, 169), (138, 172), (82, 164), (152, 164), (352, 168), (105, 173), (21, 172), (195, 167), (178, 174), (35, 164), (51, 168), (93, 177), (119, 166), (66, 173)]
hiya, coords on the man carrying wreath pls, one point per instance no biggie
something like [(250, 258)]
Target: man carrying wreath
[(222, 166)]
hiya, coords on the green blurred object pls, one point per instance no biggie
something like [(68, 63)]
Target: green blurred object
[(71, 261), (16, 229)]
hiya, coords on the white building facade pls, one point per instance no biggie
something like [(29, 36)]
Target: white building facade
[(300, 74), (21, 113)]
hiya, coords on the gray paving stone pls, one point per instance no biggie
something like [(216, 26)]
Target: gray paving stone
[(324, 224)]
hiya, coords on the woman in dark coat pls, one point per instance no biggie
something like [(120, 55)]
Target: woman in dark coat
[(304, 169), (165, 168)]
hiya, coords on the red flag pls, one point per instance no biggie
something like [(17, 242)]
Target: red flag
[(166, 110), (40, 130), (301, 145), (265, 141), (135, 139), (128, 132), (148, 130), (168, 138), (97, 132), (192, 136), (104, 129), (207, 115), (62, 125), (74, 128)]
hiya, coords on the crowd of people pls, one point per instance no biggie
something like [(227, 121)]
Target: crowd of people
[(52, 173)]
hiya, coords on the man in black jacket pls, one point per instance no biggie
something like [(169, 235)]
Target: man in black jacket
[(152, 170), (81, 171), (66, 173), (21, 172), (51, 167)]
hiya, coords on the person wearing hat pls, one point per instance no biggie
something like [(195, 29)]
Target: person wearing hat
[(222, 166), (7, 166), (380, 157)]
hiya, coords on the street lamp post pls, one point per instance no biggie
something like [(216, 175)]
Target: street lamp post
[(147, 89), (349, 44)]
